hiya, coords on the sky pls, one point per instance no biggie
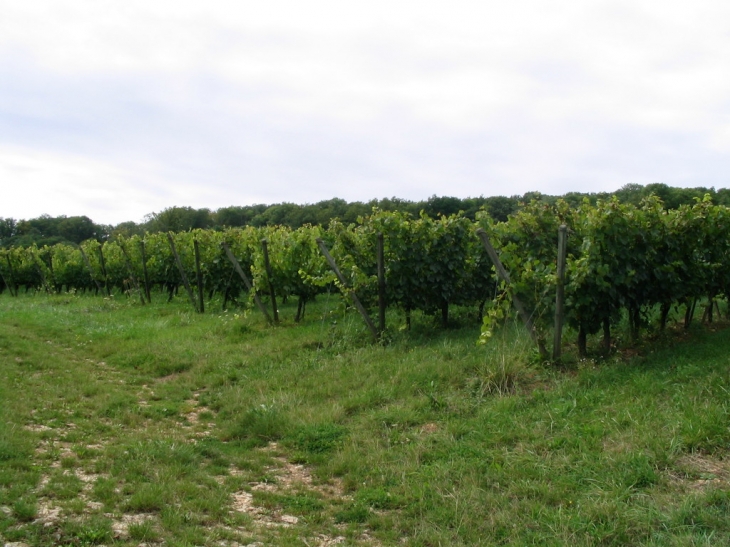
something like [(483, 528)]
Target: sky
[(115, 110)]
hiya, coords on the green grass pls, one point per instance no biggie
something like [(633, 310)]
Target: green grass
[(122, 424)]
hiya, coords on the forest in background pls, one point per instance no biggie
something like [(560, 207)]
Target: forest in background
[(47, 230)]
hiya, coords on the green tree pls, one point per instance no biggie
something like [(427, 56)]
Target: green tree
[(77, 229), (179, 219)]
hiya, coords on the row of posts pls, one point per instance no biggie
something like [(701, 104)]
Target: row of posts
[(377, 332)]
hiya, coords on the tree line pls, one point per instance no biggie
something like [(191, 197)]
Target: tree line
[(47, 230)]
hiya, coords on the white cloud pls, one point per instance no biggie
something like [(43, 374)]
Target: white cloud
[(454, 63), (63, 184), (232, 102)]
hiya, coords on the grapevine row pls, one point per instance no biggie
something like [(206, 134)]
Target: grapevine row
[(623, 260)]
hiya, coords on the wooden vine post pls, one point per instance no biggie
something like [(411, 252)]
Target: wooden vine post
[(88, 267), (560, 292), (350, 293), (144, 271), (227, 291), (502, 273), (49, 254), (180, 268), (267, 265), (102, 262), (10, 280), (7, 283), (246, 281), (381, 283), (128, 263), (11, 275), (40, 272), (199, 276)]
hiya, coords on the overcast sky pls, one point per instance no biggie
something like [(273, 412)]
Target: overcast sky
[(118, 109)]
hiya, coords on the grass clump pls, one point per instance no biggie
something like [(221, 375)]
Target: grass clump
[(144, 531), (318, 438), (11, 450), (378, 498), (502, 376), (63, 486), (25, 510), (148, 498), (95, 530), (356, 513), (260, 425)]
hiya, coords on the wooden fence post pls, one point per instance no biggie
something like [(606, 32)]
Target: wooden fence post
[(128, 263), (381, 283), (11, 276), (40, 272), (7, 284), (199, 277), (56, 287), (560, 292), (267, 265), (144, 271), (180, 267), (88, 267), (102, 262), (341, 278), (526, 318), (246, 281)]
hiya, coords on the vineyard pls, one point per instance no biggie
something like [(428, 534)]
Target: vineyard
[(623, 261), (143, 413)]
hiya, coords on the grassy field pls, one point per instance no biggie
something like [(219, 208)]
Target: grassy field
[(130, 425)]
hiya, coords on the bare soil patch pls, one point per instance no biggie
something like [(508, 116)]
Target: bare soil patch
[(700, 471)]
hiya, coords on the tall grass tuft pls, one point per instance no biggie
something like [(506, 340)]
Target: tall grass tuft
[(505, 366), (259, 425)]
